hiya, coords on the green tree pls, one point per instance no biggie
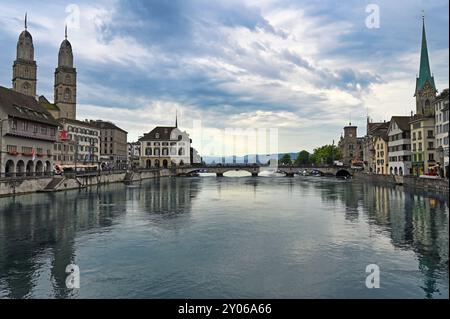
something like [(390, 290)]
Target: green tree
[(286, 160), (303, 158), (326, 154)]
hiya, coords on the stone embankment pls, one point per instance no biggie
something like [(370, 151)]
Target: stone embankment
[(19, 186)]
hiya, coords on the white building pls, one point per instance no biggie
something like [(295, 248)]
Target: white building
[(165, 147), (399, 146), (441, 131), (78, 143)]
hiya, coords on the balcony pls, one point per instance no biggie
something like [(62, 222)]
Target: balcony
[(33, 135)]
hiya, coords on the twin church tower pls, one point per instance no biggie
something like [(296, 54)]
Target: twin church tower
[(25, 75)]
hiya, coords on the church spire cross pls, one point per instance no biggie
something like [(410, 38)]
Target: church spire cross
[(26, 17), (65, 32), (176, 119)]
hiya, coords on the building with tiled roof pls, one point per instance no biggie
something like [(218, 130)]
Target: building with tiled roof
[(165, 146), (399, 145), (27, 134)]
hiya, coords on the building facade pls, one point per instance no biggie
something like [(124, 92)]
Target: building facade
[(78, 144), (113, 146), (351, 146), (381, 154), (373, 131), (422, 144), (441, 131), (399, 146), (27, 134), (165, 147), (134, 153)]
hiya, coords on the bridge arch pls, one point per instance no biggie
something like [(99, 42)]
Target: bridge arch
[(343, 173)]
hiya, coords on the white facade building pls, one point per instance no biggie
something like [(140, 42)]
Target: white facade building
[(165, 147), (399, 146), (441, 131)]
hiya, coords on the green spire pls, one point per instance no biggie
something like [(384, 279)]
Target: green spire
[(424, 72)]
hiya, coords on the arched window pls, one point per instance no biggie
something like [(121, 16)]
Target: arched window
[(165, 152), (67, 80), (67, 94), (181, 151)]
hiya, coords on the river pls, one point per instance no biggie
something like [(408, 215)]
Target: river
[(230, 237)]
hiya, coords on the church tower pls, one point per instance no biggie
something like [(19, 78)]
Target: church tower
[(66, 81), (425, 88), (25, 69)]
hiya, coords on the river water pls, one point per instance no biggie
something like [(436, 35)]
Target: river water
[(230, 237)]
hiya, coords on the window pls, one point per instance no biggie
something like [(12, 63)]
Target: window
[(430, 134), (43, 130), (27, 150), (11, 148), (67, 94), (430, 145), (14, 125)]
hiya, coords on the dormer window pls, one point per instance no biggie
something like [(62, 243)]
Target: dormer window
[(157, 135)]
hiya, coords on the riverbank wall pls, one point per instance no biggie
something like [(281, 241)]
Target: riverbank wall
[(412, 182), (12, 187)]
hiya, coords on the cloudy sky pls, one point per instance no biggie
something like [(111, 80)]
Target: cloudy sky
[(305, 68)]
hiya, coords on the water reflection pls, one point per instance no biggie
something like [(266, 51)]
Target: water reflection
[(40, 227), (39, 232)]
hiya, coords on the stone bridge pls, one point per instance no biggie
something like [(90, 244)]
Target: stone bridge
[(290, 171), (219, 170)]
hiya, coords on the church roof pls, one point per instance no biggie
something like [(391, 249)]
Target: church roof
[(25, 34), (22, 106), (65, 45), (47, 105), (424, 70)]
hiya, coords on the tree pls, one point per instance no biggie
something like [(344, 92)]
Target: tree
[(303, 158), (326, 155), (286, 160)]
